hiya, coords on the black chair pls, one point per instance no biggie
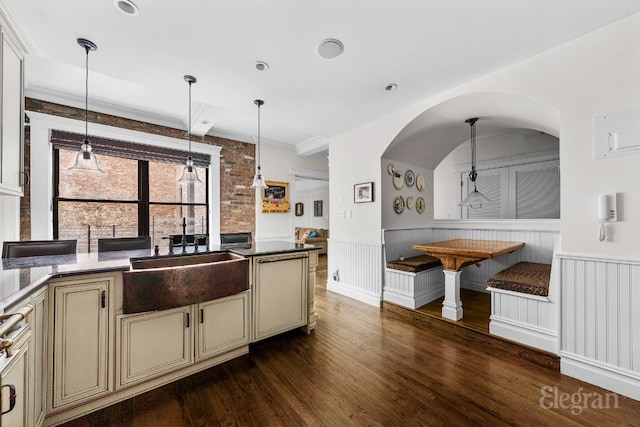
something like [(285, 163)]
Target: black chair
[(38, 248), (243, 238), (124, 244)]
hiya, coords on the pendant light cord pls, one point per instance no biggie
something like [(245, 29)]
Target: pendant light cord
[(189, 131), (86, 96), (473, 174)]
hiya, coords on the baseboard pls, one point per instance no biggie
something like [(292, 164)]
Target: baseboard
[(412, 302), (608, 377), (348, 291), (530, 335), (474, 286)]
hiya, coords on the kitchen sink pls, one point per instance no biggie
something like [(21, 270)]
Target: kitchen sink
[(160, 283)]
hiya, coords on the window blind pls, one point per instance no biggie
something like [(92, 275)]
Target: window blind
[(130, 150)]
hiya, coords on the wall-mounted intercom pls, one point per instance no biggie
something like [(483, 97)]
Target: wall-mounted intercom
[(607, 207), (607, 212)]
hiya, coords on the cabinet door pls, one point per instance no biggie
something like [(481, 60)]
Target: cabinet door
[(154, 343), (80, 341), (11, 118), (14, 382), (223, 325), (280, 293)]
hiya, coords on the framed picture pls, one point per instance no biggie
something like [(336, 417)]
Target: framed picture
[(299, 209), (363, 193), (275, 198), (317, 208)]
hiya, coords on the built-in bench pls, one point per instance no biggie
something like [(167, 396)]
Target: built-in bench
[(524, 277), (412, 279), (524, 304)]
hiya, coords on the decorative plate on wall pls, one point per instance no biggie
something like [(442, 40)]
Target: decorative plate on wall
[(391, 168), (420, 182), (410, 202), (398, 204), (398, 179), (420, 205), (409, 178)]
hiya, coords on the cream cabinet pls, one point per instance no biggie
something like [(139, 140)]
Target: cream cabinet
[(223, 325), (80, 339), (279, 293), (38, 375), (11, 115), (155, 343), (151, 344), (15, 378)]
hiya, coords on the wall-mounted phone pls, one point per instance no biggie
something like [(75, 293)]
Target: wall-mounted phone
[(607, 212), (607, 207)]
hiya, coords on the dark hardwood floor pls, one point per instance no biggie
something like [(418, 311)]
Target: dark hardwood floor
[(476, 307), (377, 367)]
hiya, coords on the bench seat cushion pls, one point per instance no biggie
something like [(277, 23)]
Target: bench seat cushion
[(525, 277), (415, 264)]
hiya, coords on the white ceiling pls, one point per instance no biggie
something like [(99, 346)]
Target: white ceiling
[(424, 46)]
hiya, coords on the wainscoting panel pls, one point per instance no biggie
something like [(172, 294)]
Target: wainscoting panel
[(601, 322), (398, 243), (359, 270)]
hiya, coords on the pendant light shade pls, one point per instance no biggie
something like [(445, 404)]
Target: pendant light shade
[(258, 180), (475, 199), (86, 159), (189, 173)]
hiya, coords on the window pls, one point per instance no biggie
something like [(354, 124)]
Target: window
[(524, 191), (138, 196)]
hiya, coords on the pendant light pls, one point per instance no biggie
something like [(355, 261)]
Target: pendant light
[(189, 174), (475, 199), (258, 181), (86, 159)]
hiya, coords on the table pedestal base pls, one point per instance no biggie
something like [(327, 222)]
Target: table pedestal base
[(452, 305)]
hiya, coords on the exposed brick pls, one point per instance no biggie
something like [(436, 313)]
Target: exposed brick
[(237, 210)]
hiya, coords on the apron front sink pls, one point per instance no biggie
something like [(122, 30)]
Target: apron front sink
[(163, 283)]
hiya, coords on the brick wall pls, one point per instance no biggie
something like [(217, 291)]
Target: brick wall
[(237, 165)]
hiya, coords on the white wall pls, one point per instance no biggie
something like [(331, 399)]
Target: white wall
[(307, 192), (594, 74), (276, 164)]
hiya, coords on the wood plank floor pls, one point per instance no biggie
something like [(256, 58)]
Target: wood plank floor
[(376, 367), (475, 305)]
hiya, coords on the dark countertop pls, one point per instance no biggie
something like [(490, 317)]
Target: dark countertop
[(19, 277)]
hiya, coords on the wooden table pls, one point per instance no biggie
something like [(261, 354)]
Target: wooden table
[(456, 254)]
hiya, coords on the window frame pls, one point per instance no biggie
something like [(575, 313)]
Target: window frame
[(143, 201)]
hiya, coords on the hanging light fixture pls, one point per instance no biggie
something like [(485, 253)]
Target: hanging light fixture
[(86, 159), (189, 174), (258, 181), (475, 199)]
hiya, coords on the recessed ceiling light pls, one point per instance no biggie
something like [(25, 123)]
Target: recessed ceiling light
[(330, 48), (391, 87), (262, 66), (127, 7)]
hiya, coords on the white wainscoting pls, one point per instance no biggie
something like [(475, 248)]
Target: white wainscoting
[(359, 269), (600, 334)]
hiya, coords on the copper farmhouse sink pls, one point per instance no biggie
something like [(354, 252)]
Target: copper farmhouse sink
[(169, 282)]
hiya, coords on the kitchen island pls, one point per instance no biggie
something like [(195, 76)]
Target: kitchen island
[(87, 352)]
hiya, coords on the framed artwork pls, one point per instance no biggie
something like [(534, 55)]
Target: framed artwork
[(363, 193), (299, 209), (275, 198), (317, 208)]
